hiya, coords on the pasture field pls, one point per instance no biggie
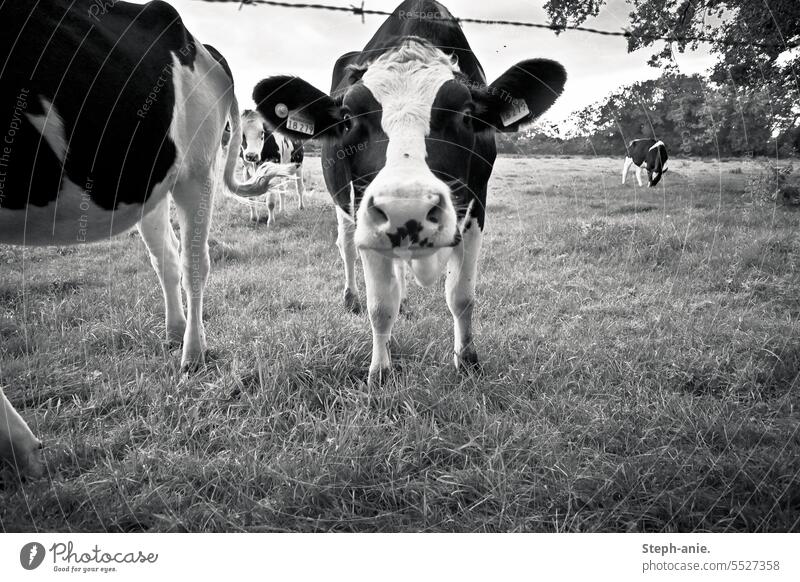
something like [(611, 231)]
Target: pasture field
[(640, 350)]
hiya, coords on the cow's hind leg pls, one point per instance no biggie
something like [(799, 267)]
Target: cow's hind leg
[(161, 242), (194, 200), (271, 213), (626, 168), (383, 305), (301, 188), (18, 445), (347, 249), (462, 270)]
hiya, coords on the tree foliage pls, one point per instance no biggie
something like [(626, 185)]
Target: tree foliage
[(756, 42)]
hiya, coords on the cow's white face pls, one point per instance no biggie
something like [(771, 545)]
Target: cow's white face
[(411, 132), (405, 206), (253, 136)]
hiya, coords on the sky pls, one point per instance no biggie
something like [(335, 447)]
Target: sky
[(259, 41)]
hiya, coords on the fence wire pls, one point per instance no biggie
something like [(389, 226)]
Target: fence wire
[(362, 11)]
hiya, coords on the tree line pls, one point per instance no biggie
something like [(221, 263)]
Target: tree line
[(692, 114)]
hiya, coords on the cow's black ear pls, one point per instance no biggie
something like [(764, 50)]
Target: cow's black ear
[(521, 94), (293, 107)]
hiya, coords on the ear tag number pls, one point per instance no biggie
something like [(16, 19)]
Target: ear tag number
[(516, 111), (300, 124)]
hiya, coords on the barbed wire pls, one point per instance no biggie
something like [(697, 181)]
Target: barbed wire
[(362, 11)]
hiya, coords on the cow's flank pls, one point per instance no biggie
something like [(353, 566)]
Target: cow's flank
[(103, 119)]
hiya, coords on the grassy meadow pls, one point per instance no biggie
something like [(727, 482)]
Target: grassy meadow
[(640, 351)]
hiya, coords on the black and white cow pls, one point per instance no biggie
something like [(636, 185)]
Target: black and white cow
[(103, 115), (648, 153), (261, 146), (408, 148)]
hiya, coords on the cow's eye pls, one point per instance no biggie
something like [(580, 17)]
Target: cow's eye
[(263, 134), (466, 115), (347, 122)]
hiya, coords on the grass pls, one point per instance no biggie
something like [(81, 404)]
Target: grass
[(641, 352)]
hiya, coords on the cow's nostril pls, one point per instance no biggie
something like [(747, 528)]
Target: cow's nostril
[(377, 215), (435, 213)]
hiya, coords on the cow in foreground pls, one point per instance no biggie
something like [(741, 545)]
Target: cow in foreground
[(647, 153), (103, 117), (408, 148), (259, 147)]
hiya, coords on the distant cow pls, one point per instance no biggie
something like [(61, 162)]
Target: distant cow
[(103, 116), (408, 148), (260, 146), (650, 153)]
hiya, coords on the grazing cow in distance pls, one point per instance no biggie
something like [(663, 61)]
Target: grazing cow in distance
[(104, 118), (647, 152), (408, 136), (260, 146)]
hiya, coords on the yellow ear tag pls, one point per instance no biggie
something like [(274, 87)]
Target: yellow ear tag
[(300, 124), (516, 111)]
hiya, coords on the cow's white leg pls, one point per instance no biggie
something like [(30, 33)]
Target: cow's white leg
[(383, 305), (194, 201), (462, 270), (248, 173), (161, 242), (639, 175), (18, 445), (301, 188), (280, 201), (271, 197), (626, 168), (347, 250)]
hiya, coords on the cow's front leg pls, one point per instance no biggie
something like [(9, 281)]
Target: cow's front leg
[(626, 168), (194, 201), (347, 250), (161, 242), (383, 305), (639, 175), (462, 270)]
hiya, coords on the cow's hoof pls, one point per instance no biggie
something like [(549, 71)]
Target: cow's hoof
[(26, 458), (175, 337), (379, 377), (351, 302), (467, 361), (193, 364), (34, 467)]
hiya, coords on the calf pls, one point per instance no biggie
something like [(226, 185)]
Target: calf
[(104, 118), (408, 148), (259, 147), (650, 153)]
